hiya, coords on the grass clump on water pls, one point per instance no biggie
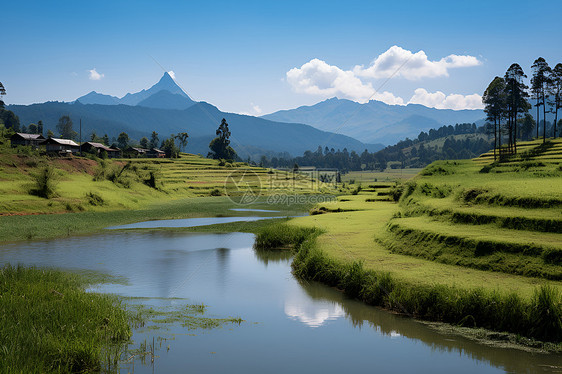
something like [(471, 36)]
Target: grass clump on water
[(48, 323), (283, 236)]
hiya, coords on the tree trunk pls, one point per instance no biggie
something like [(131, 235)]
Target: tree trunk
[(538, 116), (495, 137), (555, 116), (500, 138), (544, 117), (515, 134)]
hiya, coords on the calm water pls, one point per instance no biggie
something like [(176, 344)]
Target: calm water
[(289, 326)]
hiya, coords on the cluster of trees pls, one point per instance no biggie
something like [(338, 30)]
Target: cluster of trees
[(408, 153), (7, 117), (507, 108), (220, 146)]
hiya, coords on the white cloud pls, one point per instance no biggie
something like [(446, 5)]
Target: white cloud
[(388, 98), (94, 75), (441, 101), (172, 74), (399, 62), (255, 111), (316, 77)]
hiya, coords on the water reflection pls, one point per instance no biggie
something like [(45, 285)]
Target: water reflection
[(186, 222), (265, 256), (394, 326), (312, 313)]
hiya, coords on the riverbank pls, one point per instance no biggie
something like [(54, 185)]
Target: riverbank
[(49, 226), (49, 323), (529, 321), (471, 242)]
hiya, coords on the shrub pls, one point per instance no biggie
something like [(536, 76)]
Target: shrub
[(216, 192), (436, 169), (356, 190), (94, 199), (45, 183), (487, 168), (151, 181)]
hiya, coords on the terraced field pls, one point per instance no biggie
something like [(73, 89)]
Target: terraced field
[(498, 216), (468, 223), (83, 184)]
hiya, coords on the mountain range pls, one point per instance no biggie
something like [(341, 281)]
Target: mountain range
[(165, 94), (375, 121), (167, 109)]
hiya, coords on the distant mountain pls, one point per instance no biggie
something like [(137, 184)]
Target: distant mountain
[(166, 100), (375, 121), (251, 136), (97, 98), (165, 94)]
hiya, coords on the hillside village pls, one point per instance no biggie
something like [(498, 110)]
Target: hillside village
[(66, 147)]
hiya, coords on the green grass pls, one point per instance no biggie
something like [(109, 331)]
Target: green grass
[(278, 236), (350, 236), (538, 317), (132, 183), (191, 316), (487, 247), (48, 323), (456, 231)]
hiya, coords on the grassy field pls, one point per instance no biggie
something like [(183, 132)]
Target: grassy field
[(89, 194), (80, 184), (470, 225), (454, 219), (50, 324)]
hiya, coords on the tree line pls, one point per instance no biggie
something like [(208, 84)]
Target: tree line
[(405, 153), (507, 107)]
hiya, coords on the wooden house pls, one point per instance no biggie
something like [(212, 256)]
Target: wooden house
[(136, 152), (60, 146), (26, 139), (97, 148), (156, 153)]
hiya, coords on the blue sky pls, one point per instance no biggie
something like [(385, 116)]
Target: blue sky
[(258, 57)]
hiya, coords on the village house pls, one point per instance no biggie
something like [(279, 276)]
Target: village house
[(60, 146), (136, 152), (26, 139), (156, 153), (97, 148), (143, 152)]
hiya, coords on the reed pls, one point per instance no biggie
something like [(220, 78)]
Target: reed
[(48, 323)]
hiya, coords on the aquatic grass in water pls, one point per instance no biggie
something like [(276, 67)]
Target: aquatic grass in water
[(190, 316), (48, 323), (283, 236)]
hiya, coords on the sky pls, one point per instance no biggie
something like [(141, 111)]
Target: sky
[(257, 57)]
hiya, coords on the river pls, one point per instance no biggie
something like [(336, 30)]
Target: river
[(289, 326)]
